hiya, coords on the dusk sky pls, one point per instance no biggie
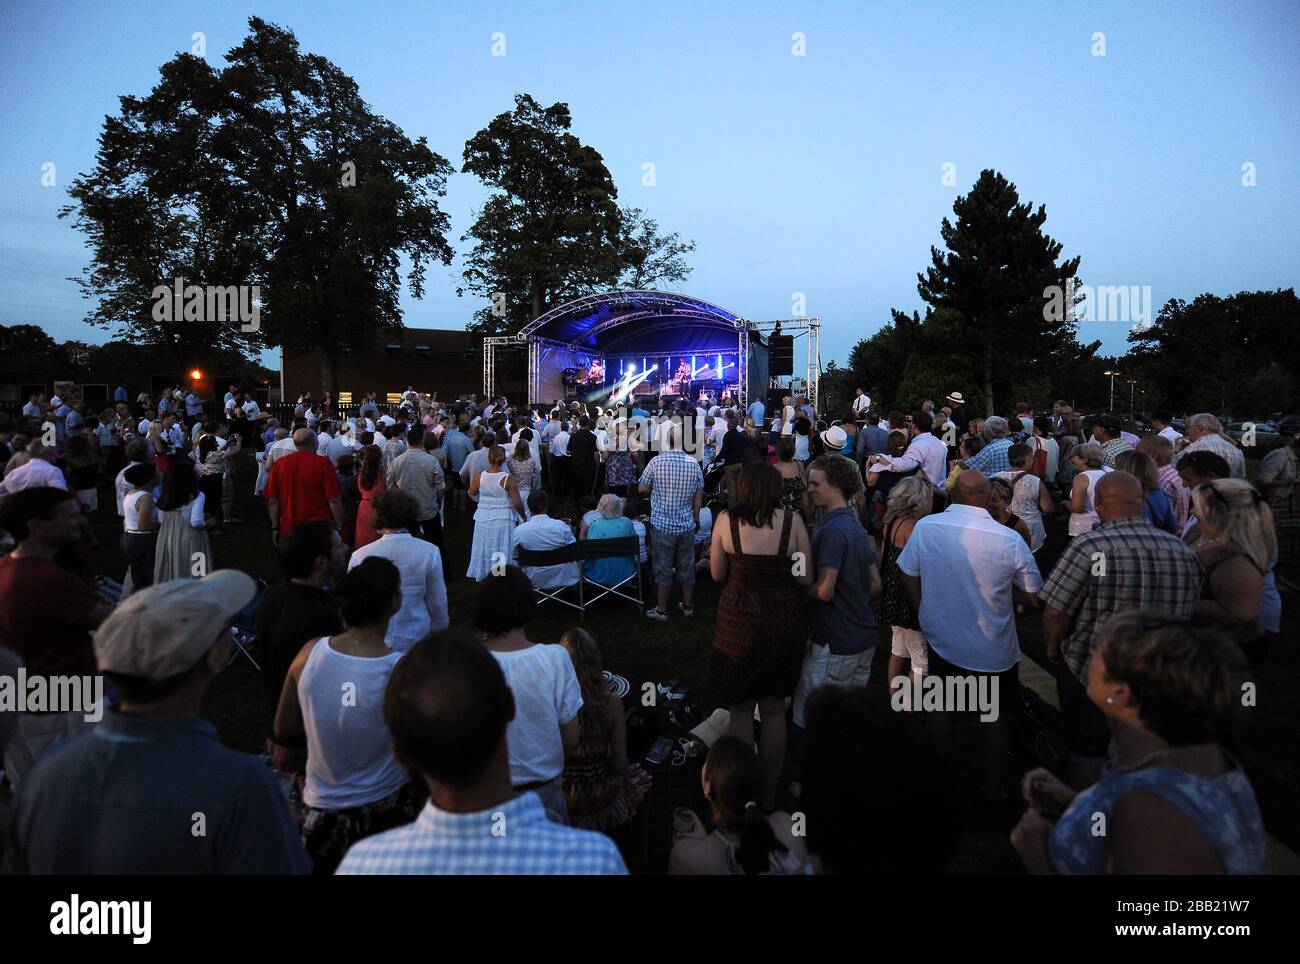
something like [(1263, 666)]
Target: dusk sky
[(820, 174)]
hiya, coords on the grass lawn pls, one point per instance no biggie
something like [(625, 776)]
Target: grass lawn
[(646, 651)]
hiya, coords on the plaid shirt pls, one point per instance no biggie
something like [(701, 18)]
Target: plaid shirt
[(1179, 495), (674, 478), (1116, 446), (992, 458), (1121, 565), (514, 838), (1219, 446)]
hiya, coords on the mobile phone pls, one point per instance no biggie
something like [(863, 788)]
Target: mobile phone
[(660, 750)]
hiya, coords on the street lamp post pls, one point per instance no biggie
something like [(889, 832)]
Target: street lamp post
[(1112, 389), (1132, 387)]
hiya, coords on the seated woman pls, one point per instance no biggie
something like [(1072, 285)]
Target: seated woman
[(334, 695), (610, 524), (744, 840), (602, 790), (1174, 800)]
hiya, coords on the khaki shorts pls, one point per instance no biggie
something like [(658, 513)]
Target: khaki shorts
[(822, 668)]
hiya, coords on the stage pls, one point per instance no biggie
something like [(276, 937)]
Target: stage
[(623, 345)]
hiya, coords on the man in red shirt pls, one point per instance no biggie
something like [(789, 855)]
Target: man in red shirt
[(303, 487), (46, 614)]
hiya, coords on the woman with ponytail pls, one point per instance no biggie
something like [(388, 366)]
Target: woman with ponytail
[(744, 839)]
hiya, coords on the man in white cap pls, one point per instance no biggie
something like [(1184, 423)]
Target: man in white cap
[(959, 416), (152, 790)]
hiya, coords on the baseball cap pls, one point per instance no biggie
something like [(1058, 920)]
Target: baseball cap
[(165, 629)]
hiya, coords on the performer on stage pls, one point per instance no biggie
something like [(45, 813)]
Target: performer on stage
[(597, 375)]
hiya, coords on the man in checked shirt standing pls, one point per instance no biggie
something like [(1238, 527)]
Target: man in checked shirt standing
[(1125, 563), (676, 486)]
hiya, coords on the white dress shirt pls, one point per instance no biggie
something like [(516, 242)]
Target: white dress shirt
[(926, 451), (1171, 433), (540, 533), (34, 474), (424, 590), (560, 445), (861, 404), (967, 562)]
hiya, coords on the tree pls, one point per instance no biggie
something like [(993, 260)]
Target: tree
[(552, 229), (650, 260), (31, 347), (997, 274), (1216, 354), (271, 173)]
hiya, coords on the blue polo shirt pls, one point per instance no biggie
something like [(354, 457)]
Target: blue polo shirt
[(151, 795), (846, 623)]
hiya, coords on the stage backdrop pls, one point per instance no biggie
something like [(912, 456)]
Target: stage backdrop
[(553, 361)]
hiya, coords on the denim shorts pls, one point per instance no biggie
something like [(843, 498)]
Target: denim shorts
[(673, 552)]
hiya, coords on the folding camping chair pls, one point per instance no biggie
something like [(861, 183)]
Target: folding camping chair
[(627, 547), (529, 558)]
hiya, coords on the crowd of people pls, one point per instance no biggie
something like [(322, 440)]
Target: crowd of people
[(404, 744)]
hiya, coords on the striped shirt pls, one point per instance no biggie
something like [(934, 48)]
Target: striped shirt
[(1121, 565), (512, 838)]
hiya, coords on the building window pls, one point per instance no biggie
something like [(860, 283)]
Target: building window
[(422, 352), (345, 398), (394, 351), (394, 398)]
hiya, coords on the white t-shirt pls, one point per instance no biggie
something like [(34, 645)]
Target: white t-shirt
[(546, 697), (1171, 433)]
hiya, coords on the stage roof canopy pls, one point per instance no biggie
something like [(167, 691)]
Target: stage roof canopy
[(635, 320)]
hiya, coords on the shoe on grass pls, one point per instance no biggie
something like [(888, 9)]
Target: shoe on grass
[(685, 610), (657, 614)]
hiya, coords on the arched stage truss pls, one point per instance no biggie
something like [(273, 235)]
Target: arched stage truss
[(647, 325)]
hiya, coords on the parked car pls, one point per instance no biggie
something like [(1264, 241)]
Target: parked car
[(1263, 432)]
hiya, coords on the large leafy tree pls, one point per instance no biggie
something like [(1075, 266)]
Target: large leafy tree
[(1234, 354), (994, 274), (552, 229), (272, 172), (650, 259)]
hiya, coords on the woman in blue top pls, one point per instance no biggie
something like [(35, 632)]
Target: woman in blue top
[(611, 525), (1171, 800), (1142, 467)]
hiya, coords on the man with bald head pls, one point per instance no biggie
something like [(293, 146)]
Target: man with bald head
[(302, 487), (963, 572), (1125, 563)]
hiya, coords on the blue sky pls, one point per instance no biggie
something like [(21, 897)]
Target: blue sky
[(819, 174)]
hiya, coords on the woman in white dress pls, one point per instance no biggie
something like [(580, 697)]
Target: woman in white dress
[(494, 519), (184, 550)]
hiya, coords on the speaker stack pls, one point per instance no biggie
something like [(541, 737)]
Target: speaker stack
[(780, 355)]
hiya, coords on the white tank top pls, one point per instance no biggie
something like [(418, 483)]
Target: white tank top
[(349, 762), (493, 499), (131, 511), (1081, 522)]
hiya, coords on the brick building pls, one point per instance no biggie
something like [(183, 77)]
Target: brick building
[(431, 359)]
